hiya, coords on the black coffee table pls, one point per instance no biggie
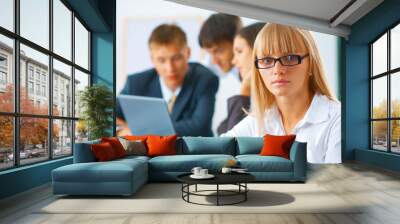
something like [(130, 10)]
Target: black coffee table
[(238, 179)]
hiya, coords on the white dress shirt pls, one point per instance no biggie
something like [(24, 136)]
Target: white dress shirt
[(229, 85), (320, 128), (166, 92)]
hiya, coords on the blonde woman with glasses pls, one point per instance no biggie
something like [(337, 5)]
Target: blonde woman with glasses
[(290, 94)]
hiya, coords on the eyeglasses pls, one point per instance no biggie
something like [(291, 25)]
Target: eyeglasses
[(287, 60)]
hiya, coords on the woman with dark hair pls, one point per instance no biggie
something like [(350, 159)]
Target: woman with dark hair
[(242, 59)]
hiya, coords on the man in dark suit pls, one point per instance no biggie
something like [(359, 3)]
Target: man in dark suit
[(188, 88)]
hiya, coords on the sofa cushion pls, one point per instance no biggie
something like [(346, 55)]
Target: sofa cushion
[(249, 145), (185, 163), (112, 171), (257, 163), (206, 145)]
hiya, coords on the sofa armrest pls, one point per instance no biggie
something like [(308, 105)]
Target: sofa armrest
[(83, 152), (298, 155)]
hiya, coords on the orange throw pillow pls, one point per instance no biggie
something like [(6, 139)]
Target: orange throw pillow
[(103, 152), (277, 145), (161, 145), (116, 145)]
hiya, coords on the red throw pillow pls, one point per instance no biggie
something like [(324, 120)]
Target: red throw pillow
[(103, 152), (116, 145), (277, 145), (161, 145)]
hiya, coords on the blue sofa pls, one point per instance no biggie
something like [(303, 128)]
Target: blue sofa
[(125, 176)]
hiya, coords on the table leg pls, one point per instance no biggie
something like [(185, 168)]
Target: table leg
[(196, 188), (245, 193), (217, 194)]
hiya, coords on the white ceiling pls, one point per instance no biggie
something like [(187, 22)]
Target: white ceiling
[(326, 16)]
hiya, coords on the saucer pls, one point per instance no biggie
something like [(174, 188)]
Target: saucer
[(208, 176)]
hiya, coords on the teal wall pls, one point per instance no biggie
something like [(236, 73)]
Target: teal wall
[(24, 178), (99, 16), (356, 90)]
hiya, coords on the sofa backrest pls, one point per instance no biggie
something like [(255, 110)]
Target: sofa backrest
[(249, 145), (83, 152), (206, 145)]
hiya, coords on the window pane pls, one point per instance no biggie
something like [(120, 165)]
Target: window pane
[(62, 89), (395, 47), (81, 45), (62, 141), (35, 21), (81, 81), (379, 135), (34, 72), (81, 131), (379, 98), (395, 94), (33, 140), (62, 29), (395, 138), (6, 142), (6, 74), (7, 14), (379, 55)]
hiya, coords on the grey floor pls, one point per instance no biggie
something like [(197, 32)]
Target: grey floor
[(378, 188)]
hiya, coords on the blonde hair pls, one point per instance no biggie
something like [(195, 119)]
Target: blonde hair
[(281, 39)]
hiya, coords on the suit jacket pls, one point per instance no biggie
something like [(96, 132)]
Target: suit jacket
[(194, 106), (236, 104)]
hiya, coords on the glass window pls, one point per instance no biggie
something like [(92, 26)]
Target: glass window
[(62, 72), (34, 80), (35, 21), (379, 98), (395, 95), (40, 62), (62, 138), (395, 47), (62, 29), (30, 71), (37, 89), (43, 90), (30, 87), (6, 142), (7, 80), (33, 140), (7, 14), (3, 61), (81, 81), (379, 135), (81, 131), (379, 56), (395, 138), (81, 45)]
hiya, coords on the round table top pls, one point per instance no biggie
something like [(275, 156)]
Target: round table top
[(220, 178)]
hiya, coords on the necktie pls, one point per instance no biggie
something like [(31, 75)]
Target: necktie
[(171, 103)]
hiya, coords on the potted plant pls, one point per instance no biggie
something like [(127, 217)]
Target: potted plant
[(96, 103)]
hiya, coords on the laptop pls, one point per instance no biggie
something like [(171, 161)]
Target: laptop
[(146, 115)]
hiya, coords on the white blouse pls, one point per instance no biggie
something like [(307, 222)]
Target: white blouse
[(320, 128)]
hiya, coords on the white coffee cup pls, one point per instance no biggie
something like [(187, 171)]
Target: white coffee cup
[(226, 170), (196, 170), (203, 172)]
